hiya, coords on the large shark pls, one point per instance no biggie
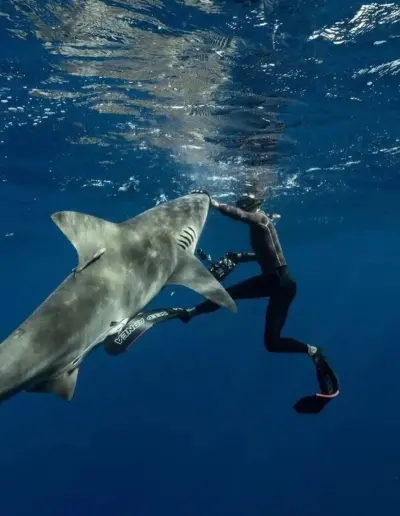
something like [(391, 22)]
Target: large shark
[(121, 268)]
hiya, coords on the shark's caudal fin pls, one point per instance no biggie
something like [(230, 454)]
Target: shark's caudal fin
[(63, 386), (89, 235), (191, 273)]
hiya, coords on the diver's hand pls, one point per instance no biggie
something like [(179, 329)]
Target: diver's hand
[(214, 203)]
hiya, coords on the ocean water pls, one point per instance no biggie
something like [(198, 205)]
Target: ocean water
[(110, 107)]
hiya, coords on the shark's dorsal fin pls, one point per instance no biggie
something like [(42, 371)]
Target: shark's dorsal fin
[(191, 273), (89, 235), (63, 386)]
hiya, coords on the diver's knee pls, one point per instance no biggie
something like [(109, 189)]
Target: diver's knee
[(271, 344)]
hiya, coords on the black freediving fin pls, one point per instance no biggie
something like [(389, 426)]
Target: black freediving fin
[(329, 386), (313, 404), (137, 326)]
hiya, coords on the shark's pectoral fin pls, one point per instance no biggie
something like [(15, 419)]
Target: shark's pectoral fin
[(191, 273), (89, 235), (63, 386)]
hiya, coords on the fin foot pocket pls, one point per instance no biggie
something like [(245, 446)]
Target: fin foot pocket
[(327, 379)]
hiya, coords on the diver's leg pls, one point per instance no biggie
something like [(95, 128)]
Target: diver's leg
[(284, 292), (277, 311), (252, 288)]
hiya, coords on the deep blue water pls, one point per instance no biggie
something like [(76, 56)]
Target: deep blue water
[(198, 419)]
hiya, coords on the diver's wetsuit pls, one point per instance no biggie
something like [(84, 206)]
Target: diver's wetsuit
[(275, 281)]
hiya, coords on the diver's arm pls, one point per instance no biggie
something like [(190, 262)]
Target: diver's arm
[(241, 257), (246, 257), (232, 212), (235, 213)]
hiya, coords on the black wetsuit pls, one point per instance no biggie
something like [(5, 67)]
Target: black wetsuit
[(274, 282)]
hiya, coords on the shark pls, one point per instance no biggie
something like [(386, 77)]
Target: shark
[(121, 268)]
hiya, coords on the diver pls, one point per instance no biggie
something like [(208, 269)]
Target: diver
[(275, 283)]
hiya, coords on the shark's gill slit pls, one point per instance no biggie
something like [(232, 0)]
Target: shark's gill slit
[(192, 230), (189, 235), (184, 239), (184, 245)]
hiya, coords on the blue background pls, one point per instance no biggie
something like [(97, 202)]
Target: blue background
[(197, 419)]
